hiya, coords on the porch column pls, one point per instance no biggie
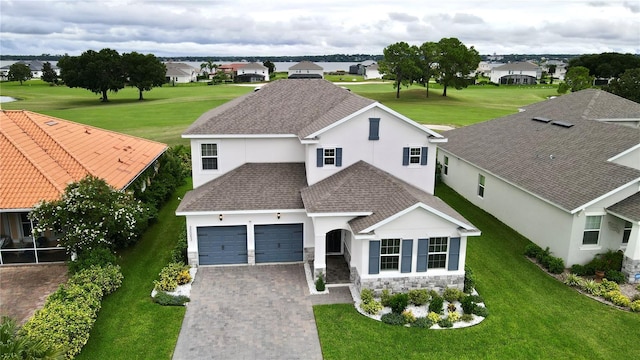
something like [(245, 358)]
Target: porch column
[(319, 256), (631, 261)]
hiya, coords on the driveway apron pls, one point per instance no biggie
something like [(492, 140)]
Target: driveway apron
[(249, 312)]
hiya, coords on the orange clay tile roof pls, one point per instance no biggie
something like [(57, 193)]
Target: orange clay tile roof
[(40, 155)]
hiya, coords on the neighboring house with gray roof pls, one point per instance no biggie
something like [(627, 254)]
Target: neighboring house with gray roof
[(180, 73), (303, 169), (372, 72), (564, 172), (34, 65), (306, 70), (517, 73), (252, 72)]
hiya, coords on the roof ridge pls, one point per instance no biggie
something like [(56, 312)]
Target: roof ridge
[(48, 136), (33, 163), (591, 104)]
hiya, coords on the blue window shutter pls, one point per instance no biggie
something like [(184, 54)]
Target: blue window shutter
[(374, 257), (407, 249), (405, 156), (320, 157), (338, 157), (454, 253), (423, 254), (374, 128), (423, 155)]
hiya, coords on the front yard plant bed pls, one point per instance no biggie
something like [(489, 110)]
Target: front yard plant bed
[(423, 308)]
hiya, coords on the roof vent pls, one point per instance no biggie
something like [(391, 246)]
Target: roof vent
[(541, 119), (51, 123), (562, 124)]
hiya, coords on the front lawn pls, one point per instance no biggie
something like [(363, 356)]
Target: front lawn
[(531, 314), (130, 325)]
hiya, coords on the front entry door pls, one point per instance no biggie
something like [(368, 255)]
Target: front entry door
[(334, 242)]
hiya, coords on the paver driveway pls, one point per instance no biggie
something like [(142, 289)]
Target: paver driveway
[(249, 312)]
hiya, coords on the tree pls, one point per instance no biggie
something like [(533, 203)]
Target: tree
[(606, 65), (143, 71), (48, 74), (98, 72), (455, 62), (577, 78), (271, 66), (16, 345), (427, 58), (210, 65), (92, 214), (400, 63), (627, 85), (19, 72)]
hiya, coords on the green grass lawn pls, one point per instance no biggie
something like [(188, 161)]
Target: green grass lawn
[(532, 315)]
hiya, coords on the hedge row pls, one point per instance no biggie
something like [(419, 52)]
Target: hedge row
[(68, 315)]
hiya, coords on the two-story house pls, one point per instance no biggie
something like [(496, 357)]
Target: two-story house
[(517, 73), (302, 169), (306, 70)]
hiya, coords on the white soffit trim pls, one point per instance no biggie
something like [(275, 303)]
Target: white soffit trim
[(238, 136), (622, 217), (629, 150), (603, 196), (354, 214), (413, 207), (239, 212)]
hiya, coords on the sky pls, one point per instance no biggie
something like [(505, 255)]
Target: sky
[(297, 28)]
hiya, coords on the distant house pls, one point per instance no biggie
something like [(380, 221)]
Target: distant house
[(306, 70), (357, 69), (39, 156), (372, 72), (252, 72), (559, 68), (485, 67), (564, 172), (518, 73), (34, 65), (180, 73)]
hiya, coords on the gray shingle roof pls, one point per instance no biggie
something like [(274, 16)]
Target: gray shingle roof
[(287, 106), (252, 186), (566, 166), (517, 66), (306, 65), (364, 188), (253, 66), (629, 207)]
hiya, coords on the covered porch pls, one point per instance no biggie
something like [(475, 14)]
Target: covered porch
[(18, 245), (624, 224)]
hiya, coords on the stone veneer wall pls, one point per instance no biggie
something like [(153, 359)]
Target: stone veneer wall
[(192, 257), (406, 283), (631, 268)]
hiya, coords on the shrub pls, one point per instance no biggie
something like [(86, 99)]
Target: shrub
[(100, 256), (372, 307), (635, 306), (454, 316), (393, 319), (579, 270), (433, 317), (14, 345), (469, 280), (608, 295), (572, 280), (542, 255), (385, 298), (609, 286), (452, 294), (179, 252), (635, 297), (621, 300), (320, 285), (477, 298), (399, 302), (366, 295), (466, 317), (468, 305), (445, 323), (616, 276), (408, 316), (555, 265), (422, 322), (436, 304), (418, 297), (532, 250), (165, 299), (107, 278), (591, 287), (481, 311), (171, 276), (638, 287)]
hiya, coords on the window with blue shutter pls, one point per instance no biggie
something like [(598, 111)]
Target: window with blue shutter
[(320, 157), (454, 253), (405, 156), (423, 156), (423, 254), (374, 257), (338, 157), (374, 128), (407, 249), (329, 156)]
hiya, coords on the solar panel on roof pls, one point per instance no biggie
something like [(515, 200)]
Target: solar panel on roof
[(562, 124), (540, 119)]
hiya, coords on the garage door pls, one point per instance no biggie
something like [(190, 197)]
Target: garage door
[(222, 245), (278, 243)]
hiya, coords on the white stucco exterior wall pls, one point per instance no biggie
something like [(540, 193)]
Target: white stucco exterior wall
[(235, 152)]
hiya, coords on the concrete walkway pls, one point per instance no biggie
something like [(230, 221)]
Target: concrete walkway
[(251, 312)]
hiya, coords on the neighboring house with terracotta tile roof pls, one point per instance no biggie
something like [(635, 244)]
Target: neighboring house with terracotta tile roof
[(40, 155), (303, 170), (306, 70), (517, 73), (564, 172)]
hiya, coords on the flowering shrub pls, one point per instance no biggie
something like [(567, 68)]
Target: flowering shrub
[(454, 316), (433, 317), (91, 214), (408, 316), (635, 306), (372, 307), (172, 275)]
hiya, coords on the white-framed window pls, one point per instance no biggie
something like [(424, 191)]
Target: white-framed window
[(626, 232), (437, 253), (481, 180), (329, 156), (591, 233), (445, 167), (414, 155), (209, 154), (390, 254)]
